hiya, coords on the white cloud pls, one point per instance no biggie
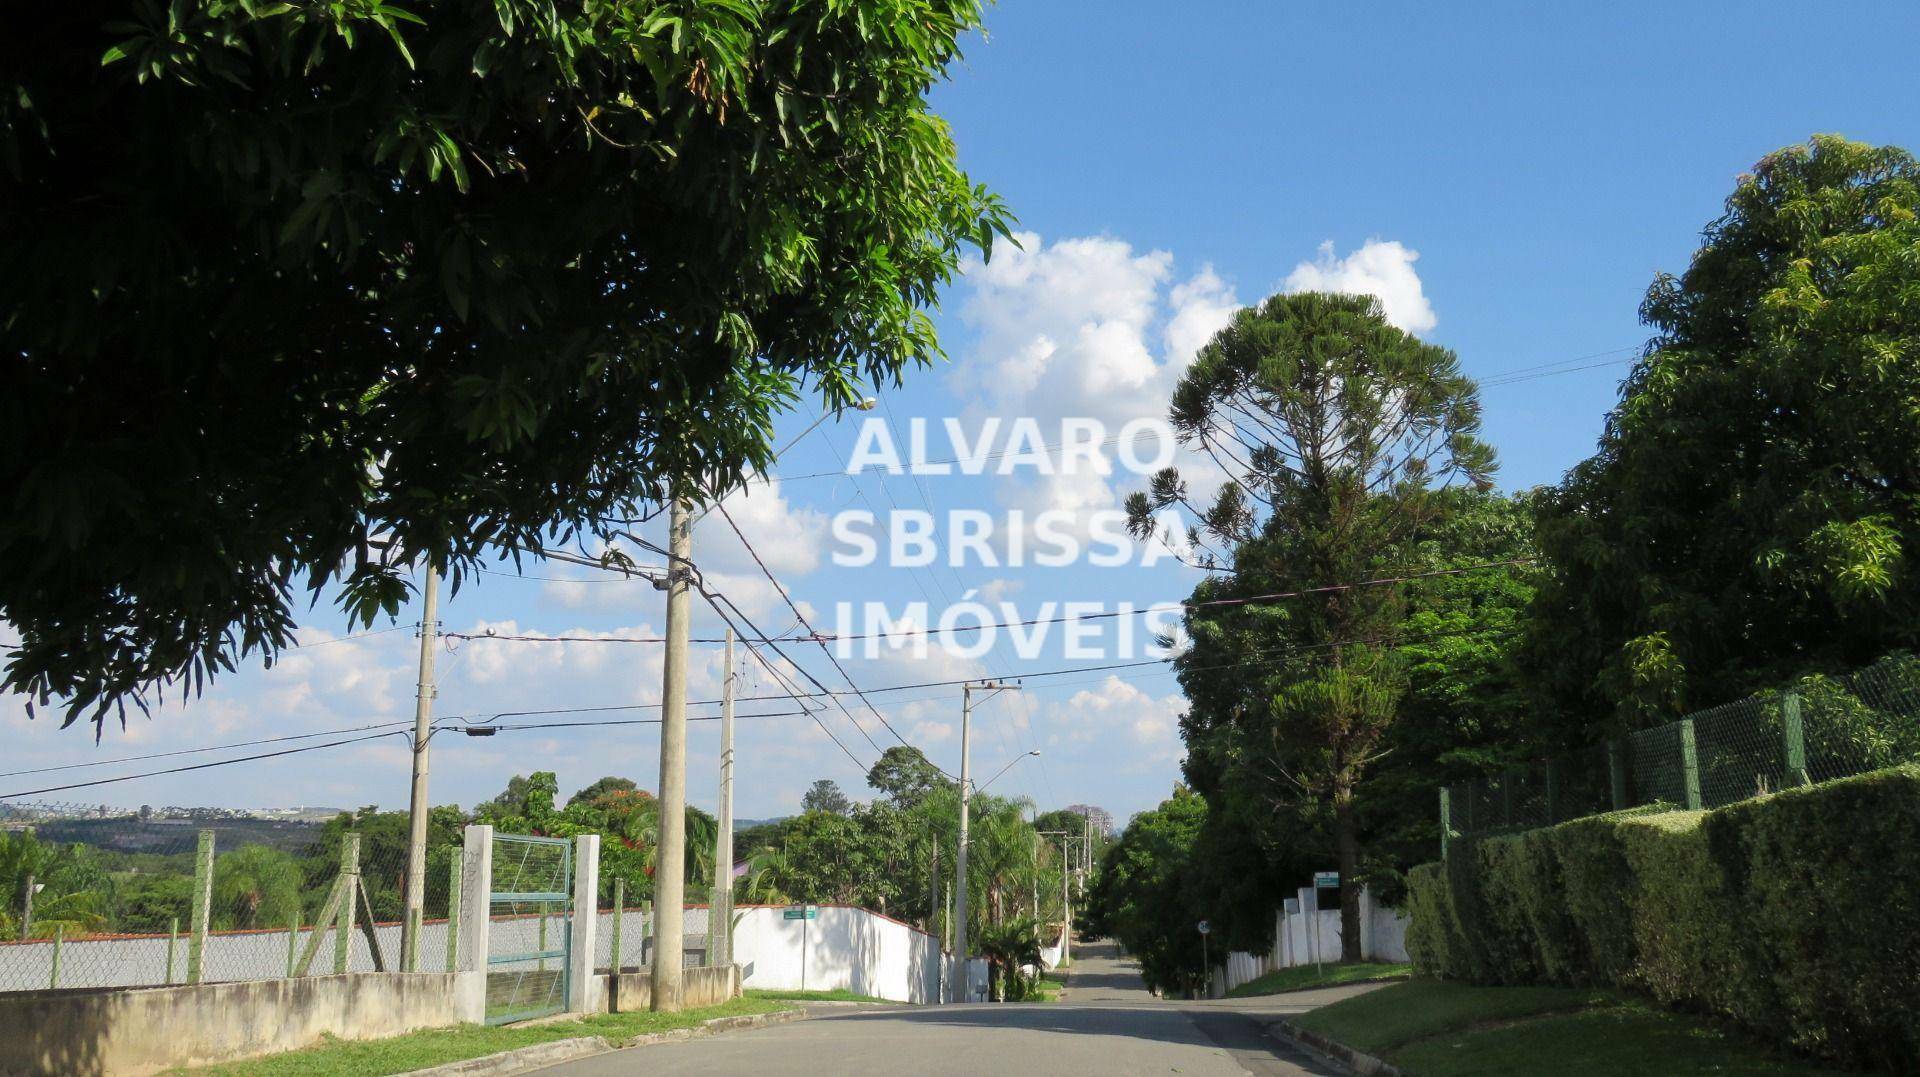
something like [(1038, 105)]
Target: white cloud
[(1070, 328), (1114, 708), (1380, 268)]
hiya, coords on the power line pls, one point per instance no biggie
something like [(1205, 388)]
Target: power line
[(828, 651), (447, 722), (355, 740), (208, 748), (713, 600), (1162, 607), (203, 766)]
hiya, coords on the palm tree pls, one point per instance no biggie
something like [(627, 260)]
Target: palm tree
[(1007, 947), (256, 886)]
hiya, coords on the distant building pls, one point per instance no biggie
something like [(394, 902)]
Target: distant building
[(1101, 819)]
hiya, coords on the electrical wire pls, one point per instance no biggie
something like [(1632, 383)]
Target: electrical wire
[(202, 766), (1162, 607), (828, 651), (448, 722)]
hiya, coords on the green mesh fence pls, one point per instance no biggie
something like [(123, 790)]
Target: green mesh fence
[(1821, 728)]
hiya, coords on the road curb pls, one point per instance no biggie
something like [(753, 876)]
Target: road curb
[(1357, 1062), (1323, 987), (520, 1059), (539, 1055)]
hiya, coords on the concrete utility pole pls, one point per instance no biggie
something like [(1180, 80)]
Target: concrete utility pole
[(992, 688), (417, 805), (723, 854), (669, 873), (1066, 912)]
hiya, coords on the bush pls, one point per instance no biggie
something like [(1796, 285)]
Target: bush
[(1794, 915)]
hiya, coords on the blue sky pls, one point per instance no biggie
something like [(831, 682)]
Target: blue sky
[(1508, 179)]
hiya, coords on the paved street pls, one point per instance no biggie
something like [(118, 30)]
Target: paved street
[(1106, 1024)]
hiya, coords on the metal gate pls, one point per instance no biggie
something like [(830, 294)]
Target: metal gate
[(530, 937)]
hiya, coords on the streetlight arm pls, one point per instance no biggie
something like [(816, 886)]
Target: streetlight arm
[(1003, 770)]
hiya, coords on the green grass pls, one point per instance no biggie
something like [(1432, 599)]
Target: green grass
[(1437, 1029), (418, 1050), (1306, 976), (836, 995)]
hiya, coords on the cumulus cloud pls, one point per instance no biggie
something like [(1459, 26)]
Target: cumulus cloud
[(1150, 725), (1380, 268), (1083, 327)]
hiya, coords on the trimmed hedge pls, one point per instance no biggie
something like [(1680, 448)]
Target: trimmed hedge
[(1796, 915)]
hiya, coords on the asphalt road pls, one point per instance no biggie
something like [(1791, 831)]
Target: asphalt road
[(1107, 1023)]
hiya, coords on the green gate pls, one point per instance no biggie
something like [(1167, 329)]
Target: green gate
[(530, 936)]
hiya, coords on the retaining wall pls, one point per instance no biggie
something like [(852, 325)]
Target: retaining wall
[(89, 1031)]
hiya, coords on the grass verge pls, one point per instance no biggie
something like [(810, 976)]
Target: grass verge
[(1306, 976), (418, 1050), (1438, 1029), (836, 995)]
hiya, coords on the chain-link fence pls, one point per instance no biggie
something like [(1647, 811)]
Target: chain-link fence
[(95, 898), (1820, 728)]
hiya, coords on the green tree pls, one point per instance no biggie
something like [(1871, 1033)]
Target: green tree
[(256, 886), (1754, 509), (904, 773), (447, 280), (825, 796), (1334, 429), (608, 784), (1139, 894)]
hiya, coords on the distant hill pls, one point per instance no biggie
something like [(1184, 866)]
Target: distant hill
[(131, 834)]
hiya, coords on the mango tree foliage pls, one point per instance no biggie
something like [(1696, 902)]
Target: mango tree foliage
[(1754, 509), (292, 294)]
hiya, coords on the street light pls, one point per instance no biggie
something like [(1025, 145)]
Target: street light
[(865, 403), (1003, 770)]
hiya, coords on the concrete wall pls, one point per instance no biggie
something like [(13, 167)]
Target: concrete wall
[(845, 949), (145, 1030), (1383, 937), (141, 960), (708, 985)]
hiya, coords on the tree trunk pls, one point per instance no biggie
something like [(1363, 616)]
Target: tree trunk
[(1347, 832)]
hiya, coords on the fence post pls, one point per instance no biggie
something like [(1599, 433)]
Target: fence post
[(1553, 792), (1794, 738), (453, 914), (1446, 820), (173, 938), (646, 932), (293, 943), (59, 941), (476, 899), (1617, 772), (1690, 763), (202, 907), (619, 920), (343, 928), (582, 944)]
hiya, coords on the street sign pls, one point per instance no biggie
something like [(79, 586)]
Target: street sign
[(1204, 927), (1326, 880), (801, 912)]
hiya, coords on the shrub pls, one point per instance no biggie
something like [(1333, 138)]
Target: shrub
[(1794, 914)]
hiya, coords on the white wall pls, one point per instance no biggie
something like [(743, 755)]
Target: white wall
[(845, 949), (1383, 937)]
